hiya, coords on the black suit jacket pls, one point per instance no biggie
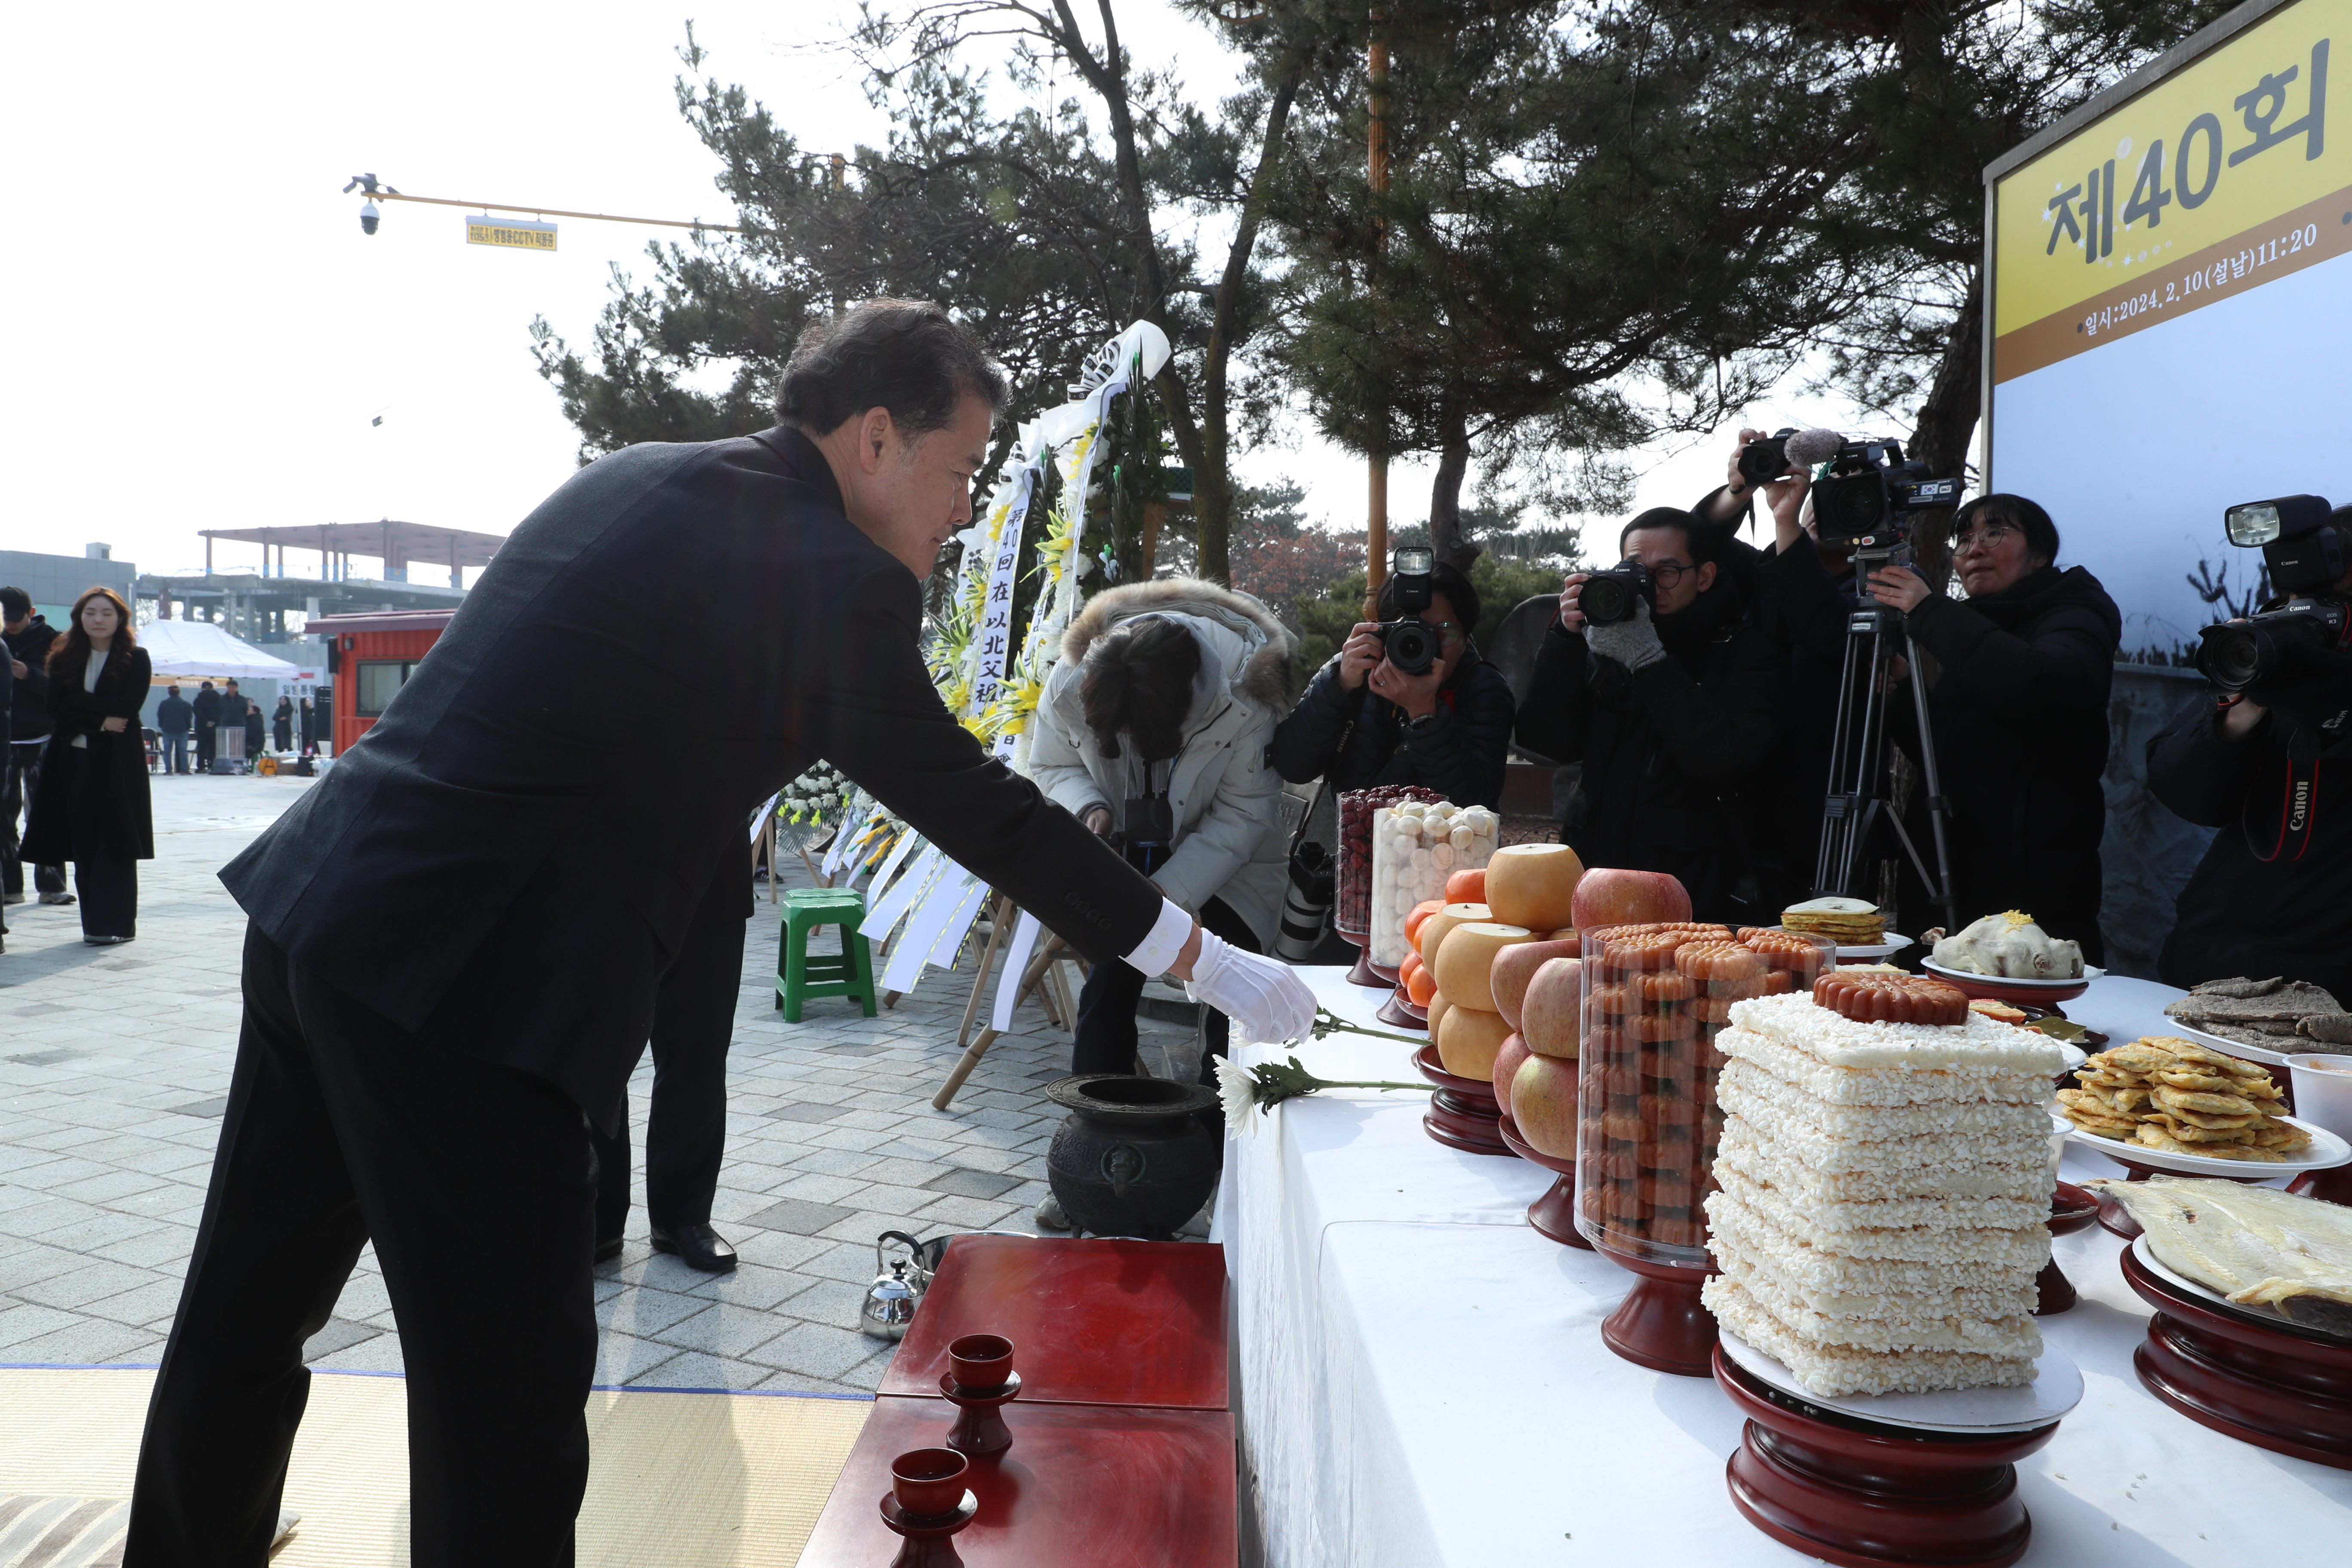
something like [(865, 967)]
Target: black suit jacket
[(485, 860)]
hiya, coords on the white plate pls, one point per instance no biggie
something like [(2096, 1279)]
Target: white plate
[(1895, 942), (2222, 1043), (2090, 972), (2326, 1151), (2073, 1055), (2259, 1312), (2056, 1389)]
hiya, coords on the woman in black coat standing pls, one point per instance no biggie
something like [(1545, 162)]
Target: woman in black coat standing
[(2018, 674), (308, 719), (92, 805), (281, 725)]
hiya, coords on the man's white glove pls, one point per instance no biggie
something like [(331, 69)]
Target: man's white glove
[(1266, 1001), (1633, 643)]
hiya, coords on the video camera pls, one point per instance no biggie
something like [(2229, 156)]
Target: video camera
[(1412, 643), (1866, 500), (2307, 546)]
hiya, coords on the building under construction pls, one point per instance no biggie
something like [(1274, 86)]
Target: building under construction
[(253, 603)]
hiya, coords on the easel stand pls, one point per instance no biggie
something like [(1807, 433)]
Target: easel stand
[(1857, 815), (1042, 975)]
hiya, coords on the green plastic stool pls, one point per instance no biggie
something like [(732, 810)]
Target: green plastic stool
[(799, 976)]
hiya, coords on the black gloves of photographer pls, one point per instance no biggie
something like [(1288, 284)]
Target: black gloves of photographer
[(2316, 693)]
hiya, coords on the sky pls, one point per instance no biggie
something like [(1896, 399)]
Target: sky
[(219, 352)]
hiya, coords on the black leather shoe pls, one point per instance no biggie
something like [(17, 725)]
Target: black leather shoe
[(697, 1246), (606, 1251)]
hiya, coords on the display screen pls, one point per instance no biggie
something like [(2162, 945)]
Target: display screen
[(2171, 318)]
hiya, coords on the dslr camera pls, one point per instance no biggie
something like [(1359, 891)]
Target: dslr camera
[(1610, 596), (1412, 643), (1866, 500), (2306, 546)]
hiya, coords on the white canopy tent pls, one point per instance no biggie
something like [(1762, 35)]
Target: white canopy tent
[(198, 650)]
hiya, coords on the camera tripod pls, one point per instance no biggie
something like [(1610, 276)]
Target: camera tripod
[(1856, 813)]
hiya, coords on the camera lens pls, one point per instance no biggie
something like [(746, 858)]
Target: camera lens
[(1607, 598), (2232, 656), (1412, 646)]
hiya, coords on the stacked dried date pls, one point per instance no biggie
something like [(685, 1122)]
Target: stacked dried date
[(1654, 998), (1352, 912)]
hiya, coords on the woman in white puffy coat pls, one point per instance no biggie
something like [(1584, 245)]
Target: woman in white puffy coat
[(1171, 689)]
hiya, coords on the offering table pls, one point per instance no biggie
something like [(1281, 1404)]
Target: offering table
[(1421, 1378)]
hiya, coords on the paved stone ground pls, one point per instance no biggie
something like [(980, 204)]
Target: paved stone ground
[(114, 1066)]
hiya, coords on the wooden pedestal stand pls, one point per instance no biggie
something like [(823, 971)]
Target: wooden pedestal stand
[(979, 1429), (1399, 1012), (2277, 1387), (1464, 1113), (930, 1539), (1554, 1214), (2071, 1209), (1867, 1495), (1661, 1324)]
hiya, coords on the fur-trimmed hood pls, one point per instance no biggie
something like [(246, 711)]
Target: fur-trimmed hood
[(1263, 647)]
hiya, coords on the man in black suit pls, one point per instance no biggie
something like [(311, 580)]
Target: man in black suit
[(207, 708), (442, 993), (686, 1130)]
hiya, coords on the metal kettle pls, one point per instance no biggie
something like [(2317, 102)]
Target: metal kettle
[(898, 1290)]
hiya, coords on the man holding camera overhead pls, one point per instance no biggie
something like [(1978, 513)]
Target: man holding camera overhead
[(1408, 699), (1654, 679), (2268, 897)]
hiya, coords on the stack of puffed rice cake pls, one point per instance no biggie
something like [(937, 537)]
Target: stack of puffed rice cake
[(1885, 1196)]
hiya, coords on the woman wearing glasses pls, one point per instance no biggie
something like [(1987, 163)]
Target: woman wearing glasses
[(2017, 675), (1363, 721)]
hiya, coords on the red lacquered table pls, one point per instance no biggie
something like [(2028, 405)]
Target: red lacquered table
[(1093, 1322), (1088, 1485), (1122, 1445)]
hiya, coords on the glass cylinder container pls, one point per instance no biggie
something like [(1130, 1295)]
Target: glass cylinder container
[(1351, 908), (1655, 996), (1416, 846)]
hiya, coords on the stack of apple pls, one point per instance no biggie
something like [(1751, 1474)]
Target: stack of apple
[(1540, 994), (1519, 905)]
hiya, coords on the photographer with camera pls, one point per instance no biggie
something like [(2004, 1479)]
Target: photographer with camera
[(1408, 699), (1655, 679), (1803, 589), (2017, 675), (2269, 896), (1152, 732)]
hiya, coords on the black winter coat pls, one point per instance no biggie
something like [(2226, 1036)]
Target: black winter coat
[(107, 819), (1667, 749), (1459, 752), (2017, 705), (174, 716), (434, 874), (207, 708), (2269, 896), (31, 706)]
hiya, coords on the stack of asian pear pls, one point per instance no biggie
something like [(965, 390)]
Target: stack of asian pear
[(1886, 1170), (1522, 898)]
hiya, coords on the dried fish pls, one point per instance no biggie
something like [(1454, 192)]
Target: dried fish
[(2254, 1245)]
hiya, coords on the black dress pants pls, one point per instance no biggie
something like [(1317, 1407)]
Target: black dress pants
[(24, 777), (109, 890), (1106, 1032), (686, 1133), (476, 1184), (207, 746)]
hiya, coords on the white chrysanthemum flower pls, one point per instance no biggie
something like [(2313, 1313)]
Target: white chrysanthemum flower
[(1237, 1086)]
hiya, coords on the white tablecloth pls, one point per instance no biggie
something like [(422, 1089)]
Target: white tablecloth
[(1423, 1379)]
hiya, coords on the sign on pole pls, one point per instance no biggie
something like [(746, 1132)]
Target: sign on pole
[(481, 229)]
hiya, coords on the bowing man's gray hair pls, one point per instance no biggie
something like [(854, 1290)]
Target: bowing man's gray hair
[(909, 356)]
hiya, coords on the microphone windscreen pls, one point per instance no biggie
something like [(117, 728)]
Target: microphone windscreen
[(1814, 447)]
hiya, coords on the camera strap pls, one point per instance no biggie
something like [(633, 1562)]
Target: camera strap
[(2298, 812)]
